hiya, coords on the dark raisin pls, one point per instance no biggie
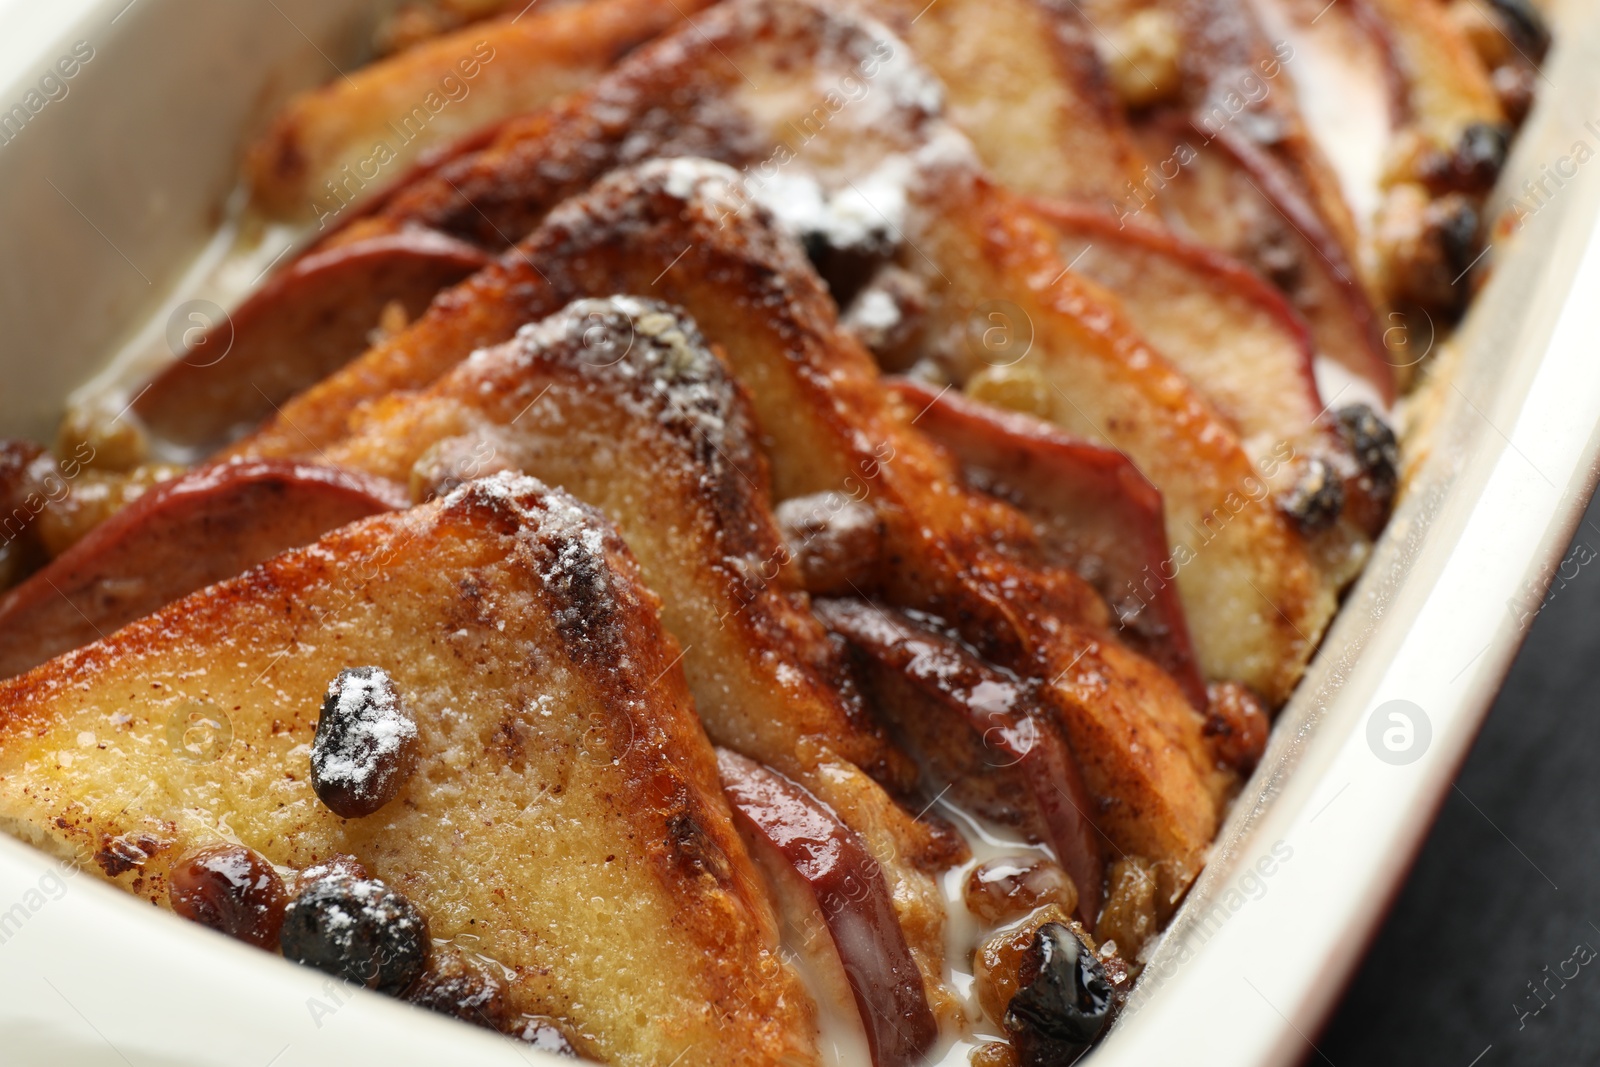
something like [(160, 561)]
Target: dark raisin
[(1065, 1002), (1316, 498), (1473, 165), (232, 889), (359, 930), (1459, 231), (1517, 86), (543, 1034), (366, 743), (889, 316), (460, 985), (1374, 444), (1524, 24)]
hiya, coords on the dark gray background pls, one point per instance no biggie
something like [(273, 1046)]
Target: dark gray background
[(1500, 894)]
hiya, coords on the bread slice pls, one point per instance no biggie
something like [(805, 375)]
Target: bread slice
[(1023, 80), (621, 403), (565, 808), (340, 144), (681, 229), (1257, 601)]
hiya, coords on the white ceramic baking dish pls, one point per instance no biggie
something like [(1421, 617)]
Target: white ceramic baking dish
[(110, 201)]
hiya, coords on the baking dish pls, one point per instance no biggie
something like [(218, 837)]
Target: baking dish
[(110, 198)]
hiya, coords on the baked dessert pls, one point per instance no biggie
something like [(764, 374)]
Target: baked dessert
[(799, 480)]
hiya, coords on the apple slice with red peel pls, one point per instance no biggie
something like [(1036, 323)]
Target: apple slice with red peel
[(1234, 196), (358, 222), (1095, 513), (305, 323), (1237, 156), (198, 529), (852, 897), (1350, 88), (978, 730), (1347, 327), (1234, 336)]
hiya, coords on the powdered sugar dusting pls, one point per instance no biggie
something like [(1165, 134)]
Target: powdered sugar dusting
[(570, 542), (691, 178), (654, 359), (357, 758)]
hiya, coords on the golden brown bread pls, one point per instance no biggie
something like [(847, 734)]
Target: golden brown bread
[(322, 152), (566, 806), (620, 402), (828, 424), (1254, 594), (1023, 81)]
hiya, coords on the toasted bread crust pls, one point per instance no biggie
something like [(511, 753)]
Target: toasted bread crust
[(1183, 443), (318, 154), (621, 402), (560, 763), (1023, 81), (828, 424)]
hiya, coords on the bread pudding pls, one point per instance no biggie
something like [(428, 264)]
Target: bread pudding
[(834, 490)]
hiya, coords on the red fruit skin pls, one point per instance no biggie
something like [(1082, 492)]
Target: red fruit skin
[(206, 526), (1064, 483), (854, 901)]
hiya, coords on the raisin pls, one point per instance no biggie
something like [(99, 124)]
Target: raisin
[(1006, 889), (1474, 164), (1064, 1003), (1316, 498), (365, 747), (1525, 25), (993, 1054), (231, 889), (1375, 448), (1236, 726), (835, 540), (359, 930), (459, 985), (1129, 917), (1370, 437)]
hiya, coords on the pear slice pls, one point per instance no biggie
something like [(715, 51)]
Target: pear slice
[(308, 321), (183, 535)]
